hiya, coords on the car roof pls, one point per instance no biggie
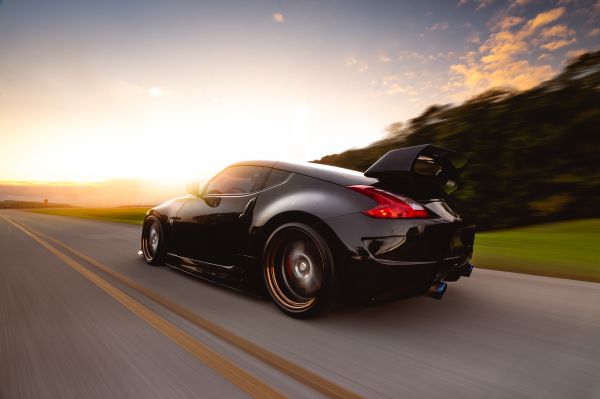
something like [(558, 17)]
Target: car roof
[(329, 173)]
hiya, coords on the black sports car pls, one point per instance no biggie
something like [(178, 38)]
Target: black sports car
[(311, 233)]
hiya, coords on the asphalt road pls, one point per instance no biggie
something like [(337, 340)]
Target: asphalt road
[(494, 335)]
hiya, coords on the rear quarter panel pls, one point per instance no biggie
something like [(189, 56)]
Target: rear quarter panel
[(309, 195), (302, 199)]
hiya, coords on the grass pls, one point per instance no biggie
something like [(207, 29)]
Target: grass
[(566, 249), (131, 215)]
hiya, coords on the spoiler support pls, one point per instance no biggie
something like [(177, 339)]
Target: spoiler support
[(438, 165)]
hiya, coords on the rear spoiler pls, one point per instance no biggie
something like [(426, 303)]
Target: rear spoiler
[(433, 164)]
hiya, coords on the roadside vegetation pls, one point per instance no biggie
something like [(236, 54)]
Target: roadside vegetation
[(11, 204), (566, 249), (131, 215)]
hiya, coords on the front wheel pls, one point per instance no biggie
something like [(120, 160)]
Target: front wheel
[(153, 241), (299, 271)]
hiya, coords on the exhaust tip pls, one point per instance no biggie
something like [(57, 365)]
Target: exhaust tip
[(437, 290), (467, 270)]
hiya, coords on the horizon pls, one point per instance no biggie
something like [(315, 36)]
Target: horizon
[(205, 85)]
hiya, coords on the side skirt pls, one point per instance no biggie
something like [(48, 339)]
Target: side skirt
[(226, 276), (206, 269)]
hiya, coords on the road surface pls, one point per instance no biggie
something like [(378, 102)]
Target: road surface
[(62, 335)]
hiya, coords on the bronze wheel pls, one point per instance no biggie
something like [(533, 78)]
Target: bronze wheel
[(298, 270)]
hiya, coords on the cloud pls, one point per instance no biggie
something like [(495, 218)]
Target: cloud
[(354, 63), (508, 22), (474, 38), (519, 3), (439, 26), (542, 19), (557, 30), (505, 44), (395, 89), (483, 4), (278, 17), (544, 57), (518, 74), (411, 55), (480, 3), (576, 53), (594, 32), (384, 58), (499, 61), (555, 45)]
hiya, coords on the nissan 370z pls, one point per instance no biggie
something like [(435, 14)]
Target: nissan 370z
[(311, 234)]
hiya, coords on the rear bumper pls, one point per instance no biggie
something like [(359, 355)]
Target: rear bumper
[(373, 281), (385, 259)]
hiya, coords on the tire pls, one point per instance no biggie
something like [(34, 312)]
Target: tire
[(298, 270), (153, 241)]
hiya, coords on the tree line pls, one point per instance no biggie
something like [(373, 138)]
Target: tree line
[(533, 155)]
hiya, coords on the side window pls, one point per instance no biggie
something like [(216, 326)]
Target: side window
[(275, 177), (236, 180)]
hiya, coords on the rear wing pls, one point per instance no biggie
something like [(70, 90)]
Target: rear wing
[(426, 162)]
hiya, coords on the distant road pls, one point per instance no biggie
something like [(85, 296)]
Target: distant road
[(70, 330)]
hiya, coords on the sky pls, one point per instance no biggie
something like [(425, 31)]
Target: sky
[(97, 90)]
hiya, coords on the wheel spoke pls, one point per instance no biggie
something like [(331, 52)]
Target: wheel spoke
[(297, 269)]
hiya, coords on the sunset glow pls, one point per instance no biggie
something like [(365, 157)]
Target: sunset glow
[(95, 91)]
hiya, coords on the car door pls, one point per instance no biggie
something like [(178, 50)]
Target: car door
[(214, 226)]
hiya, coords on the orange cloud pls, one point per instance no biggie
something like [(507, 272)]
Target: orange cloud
[(509, 21), (555, 45), (278, 17), (542, 19), (594, 32), (576, 53), (558, 30), (497, 63)]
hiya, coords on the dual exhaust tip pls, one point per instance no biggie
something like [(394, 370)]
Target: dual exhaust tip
[(437, 290)]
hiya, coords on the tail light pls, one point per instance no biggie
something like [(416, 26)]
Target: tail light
[(390, 206)]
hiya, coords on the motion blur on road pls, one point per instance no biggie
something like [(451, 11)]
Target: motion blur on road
[(495, 335)]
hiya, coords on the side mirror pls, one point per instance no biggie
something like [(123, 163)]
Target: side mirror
[(193, 188)]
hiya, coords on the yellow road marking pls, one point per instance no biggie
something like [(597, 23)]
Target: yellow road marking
[(253, 386), (306, 377)]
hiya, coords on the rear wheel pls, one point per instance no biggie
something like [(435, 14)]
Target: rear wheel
[(153, 241), (299, 271)]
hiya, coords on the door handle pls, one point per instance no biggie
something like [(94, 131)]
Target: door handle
[(248, 208)]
